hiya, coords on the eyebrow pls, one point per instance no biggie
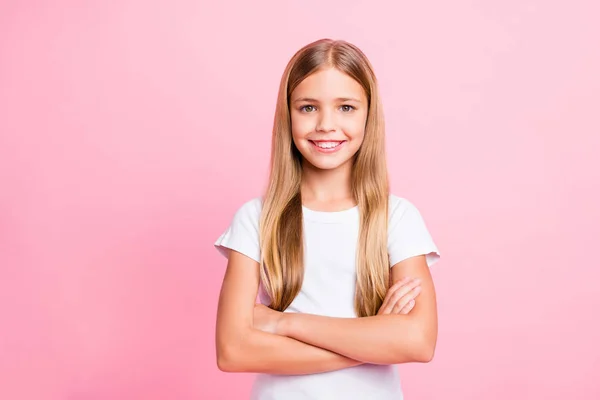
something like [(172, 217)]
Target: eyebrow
[(309, 99)]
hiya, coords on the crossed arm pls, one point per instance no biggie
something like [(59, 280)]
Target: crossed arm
[(305, 343)]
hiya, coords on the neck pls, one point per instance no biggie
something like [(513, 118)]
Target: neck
[(326, 186)]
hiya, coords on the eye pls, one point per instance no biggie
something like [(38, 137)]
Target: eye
[(307, 108), (347, 108)]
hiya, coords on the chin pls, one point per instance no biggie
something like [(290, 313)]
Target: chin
[(326, 167), (326, 164)]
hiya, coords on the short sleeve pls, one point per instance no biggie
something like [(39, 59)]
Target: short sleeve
[(408, 235), (242, 234)]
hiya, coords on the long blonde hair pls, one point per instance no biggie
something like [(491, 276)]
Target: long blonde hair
[(281, 237)]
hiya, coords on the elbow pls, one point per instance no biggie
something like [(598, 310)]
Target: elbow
[(228, 357), (426, 352), (420, 352), (425, 346), (228, 361), (231, 349), (421, 344), (425, 339), (225, 363), (234, 351)]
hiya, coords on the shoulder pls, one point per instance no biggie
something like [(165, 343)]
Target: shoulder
[(251, 207), (242, 234), (399, 206), (408, 234), (404, 214), (246, 216)]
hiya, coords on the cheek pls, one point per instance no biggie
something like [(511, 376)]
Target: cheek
[(301, 127), (355, 128), (298, 123)]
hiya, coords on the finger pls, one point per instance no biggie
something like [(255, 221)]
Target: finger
[(398, 290), (407, 298), (407, 308), (410, 298), (404, 290), (386, 301)]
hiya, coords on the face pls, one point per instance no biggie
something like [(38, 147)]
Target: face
[(328, 113)]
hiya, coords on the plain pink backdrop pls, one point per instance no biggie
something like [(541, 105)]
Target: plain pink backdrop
[(131, 131)]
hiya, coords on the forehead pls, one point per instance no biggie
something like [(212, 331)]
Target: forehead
[(327, 84)]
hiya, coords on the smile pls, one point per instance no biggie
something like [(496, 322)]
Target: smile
[(328, 147)]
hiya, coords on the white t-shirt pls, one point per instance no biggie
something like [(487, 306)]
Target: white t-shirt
[(330, 240)]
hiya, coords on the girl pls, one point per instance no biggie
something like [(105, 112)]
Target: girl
[(336, 260)]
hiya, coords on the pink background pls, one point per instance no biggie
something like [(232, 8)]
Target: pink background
[(131, 131)]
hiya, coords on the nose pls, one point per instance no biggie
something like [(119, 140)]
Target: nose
[(326, 122)]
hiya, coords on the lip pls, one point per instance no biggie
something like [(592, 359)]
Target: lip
[(327, 151)]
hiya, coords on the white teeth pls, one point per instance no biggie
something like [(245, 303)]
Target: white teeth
[(327, 145)]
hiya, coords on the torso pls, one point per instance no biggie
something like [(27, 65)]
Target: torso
[(330, 240)]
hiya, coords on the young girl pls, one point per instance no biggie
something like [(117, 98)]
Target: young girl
[(336, 260)]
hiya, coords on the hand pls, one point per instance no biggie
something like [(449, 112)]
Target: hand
[(267, 319), (400, 298)]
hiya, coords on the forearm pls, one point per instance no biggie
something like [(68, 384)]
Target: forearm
[(381, 339), (262, 352)]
